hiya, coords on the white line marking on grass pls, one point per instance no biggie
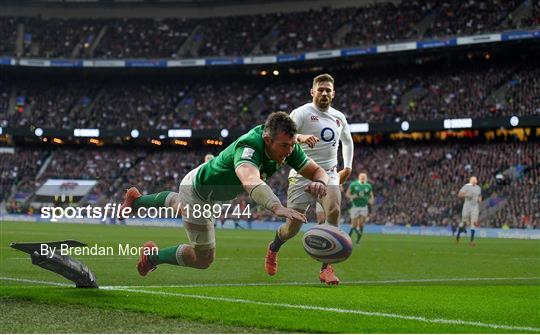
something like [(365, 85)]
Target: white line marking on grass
[(32, 281), (85, 258), (389, 281), (334, 310), (293, 306)]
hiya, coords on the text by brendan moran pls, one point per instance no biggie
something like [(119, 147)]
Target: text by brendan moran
[(96, 250)]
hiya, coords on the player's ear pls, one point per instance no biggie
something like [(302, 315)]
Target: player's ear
[(312, 92), (267, 140)]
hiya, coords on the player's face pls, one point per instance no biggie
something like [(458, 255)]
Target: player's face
[(280, 147), (473, 180), (362, 177), (323, 94)]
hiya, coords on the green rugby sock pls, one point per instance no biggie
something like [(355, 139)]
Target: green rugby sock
[(165, 256), (152, 200)]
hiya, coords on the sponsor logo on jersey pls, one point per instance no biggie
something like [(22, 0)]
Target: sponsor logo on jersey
[(314, 118), (247, 153), (338, 123)]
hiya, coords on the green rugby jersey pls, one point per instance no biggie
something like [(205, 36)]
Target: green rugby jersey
[(217, 180), (364, 191)]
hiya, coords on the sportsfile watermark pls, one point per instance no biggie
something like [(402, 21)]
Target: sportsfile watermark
[(114, 211)]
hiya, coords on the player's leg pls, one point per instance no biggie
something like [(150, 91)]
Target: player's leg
[(465, 219), (319, 213), (360, 229), (134, 200), (199, 253), (200, 230), (298, 200), (332, 208), (354, 220), (331, 203), (474, 224)]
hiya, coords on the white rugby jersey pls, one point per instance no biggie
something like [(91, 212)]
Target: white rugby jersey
[(473, 194), (330, 127)]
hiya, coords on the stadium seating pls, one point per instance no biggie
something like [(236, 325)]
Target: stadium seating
[(415, 184), (274, 33), (481, 90)]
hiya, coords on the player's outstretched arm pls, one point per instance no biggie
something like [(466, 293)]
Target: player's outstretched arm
[(261, 193), (314, 172)]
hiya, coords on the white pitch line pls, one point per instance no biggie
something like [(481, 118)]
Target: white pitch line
[(32, 281), (302, 307), (335, 310), (389, 281)]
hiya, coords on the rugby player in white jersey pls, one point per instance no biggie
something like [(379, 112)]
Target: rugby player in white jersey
[(471, 193), (320, 129)]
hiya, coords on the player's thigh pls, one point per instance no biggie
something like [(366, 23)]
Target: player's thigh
[(466, 216), (297, 197), (354, 213), (201, 234), (198, 220), (474, 217)]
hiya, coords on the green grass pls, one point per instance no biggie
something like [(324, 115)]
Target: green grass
[(391, 284)]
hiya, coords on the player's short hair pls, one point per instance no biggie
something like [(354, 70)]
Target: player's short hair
[(323, 78), (279, 122)]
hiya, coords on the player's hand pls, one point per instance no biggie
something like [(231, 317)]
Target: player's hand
[(316, 189), (310, 140), (289, 213), (344, 175)]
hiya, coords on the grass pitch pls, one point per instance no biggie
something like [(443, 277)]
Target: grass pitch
[(404, 284)]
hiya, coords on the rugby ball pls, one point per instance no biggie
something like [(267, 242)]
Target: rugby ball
[(327, 244)]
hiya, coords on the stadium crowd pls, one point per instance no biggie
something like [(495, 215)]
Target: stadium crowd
[(482, 90), (273, 33), (414, 183)]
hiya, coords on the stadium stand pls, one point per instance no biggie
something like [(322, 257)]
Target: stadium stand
[(274, 33), (405, 175), (414, 183), (476, 90)]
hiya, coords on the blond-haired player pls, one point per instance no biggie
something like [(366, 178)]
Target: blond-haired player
[(320, 130)]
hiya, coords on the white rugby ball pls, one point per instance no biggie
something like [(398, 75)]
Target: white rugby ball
[(327, 244)]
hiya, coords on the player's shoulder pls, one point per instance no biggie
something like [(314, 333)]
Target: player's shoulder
[(304, 108), (252, 139), (336, 113)]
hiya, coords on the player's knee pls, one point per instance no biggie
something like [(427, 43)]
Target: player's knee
[(204, 259)]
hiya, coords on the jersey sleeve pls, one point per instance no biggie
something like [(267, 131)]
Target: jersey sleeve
[(348, 145), (246, 155), (298, 159), (296, 116)]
